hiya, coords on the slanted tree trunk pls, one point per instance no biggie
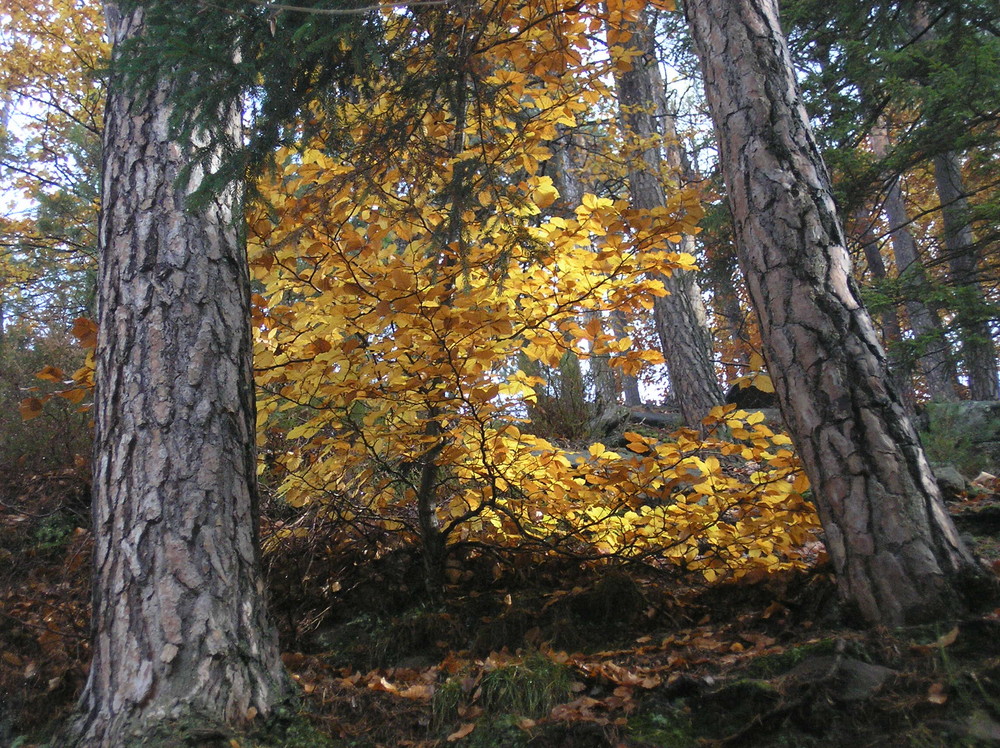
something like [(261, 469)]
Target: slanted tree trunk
[(680, 316), (978, 350), (181, 637), (896, 553), (935, 359)]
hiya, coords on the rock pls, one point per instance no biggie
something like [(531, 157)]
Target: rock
[(665, 419), (964, 434), (843, 679), (751, 397), (951, 482)]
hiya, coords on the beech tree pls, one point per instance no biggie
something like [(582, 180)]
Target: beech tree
[(897, 555), (180, 630)]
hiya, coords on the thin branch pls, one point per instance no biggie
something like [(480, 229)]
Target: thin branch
[(346, 11)]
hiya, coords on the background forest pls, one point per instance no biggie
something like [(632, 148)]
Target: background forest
[(523, 479)]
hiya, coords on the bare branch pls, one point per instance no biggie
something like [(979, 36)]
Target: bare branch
[(346, 11)]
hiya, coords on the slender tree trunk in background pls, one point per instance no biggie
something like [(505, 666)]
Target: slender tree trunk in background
[(630, 383), (566, 165), (680, 316), (899, 367), (897, 555), (978, 350), (181, 637), (935, 360)]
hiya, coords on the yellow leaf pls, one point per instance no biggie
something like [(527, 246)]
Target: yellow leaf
[(763, 383), (544, 193)]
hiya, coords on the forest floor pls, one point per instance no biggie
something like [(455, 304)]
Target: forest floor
[(561, 654)]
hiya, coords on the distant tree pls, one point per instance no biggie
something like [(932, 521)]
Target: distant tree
[(897, 555), (680, 316)]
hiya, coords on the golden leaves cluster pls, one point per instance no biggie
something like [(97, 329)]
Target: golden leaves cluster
[(395, 294)]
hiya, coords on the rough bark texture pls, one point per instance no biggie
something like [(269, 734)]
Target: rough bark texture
[(935, 361), (680, 317), (978, 350), (181, 638), (897, 555)]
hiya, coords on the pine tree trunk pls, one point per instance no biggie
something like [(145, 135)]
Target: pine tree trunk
[(181, 637), (978, 350), (935, 358), (680, 316), (896, 553)]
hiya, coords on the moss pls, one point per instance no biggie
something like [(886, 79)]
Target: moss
[(768, 666), (668, 729)]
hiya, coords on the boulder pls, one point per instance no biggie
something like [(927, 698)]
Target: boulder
[(965, 435), (750, 397)]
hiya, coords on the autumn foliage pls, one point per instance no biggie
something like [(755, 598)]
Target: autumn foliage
[(416, 269), (395, 298)]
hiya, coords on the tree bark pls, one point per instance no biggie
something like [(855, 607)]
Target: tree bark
[(897, 555), (680, 316), (181, 637), (978, 350)]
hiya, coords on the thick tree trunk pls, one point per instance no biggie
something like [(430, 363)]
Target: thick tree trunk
[(181, 637), (680, 316), (897, 555), (978, 350), (935, 358)]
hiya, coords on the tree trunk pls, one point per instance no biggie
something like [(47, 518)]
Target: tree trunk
[(630, 383), (978, 351), (897, 555), (680, 316), (935, 354), (900, 367), (181, 637)]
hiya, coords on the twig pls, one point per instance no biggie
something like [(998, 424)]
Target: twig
[(346, 11)]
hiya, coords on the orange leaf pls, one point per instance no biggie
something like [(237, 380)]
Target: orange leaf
[(74, 395), (51, 374), (462, 731), (418, 692), (85, 332), (30, 407), (936, 694)]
